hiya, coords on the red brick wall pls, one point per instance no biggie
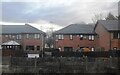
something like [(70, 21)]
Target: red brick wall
[(76, 43), (104, 37), (23, 41), (115, 42)]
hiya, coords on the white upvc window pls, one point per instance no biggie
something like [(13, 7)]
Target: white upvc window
[(92, 49), (118, 35), (10, 36), (81, 37), (91, 37), (27, 36), (6, 35), (18, 36), (60, 37), (71, 37), (37, 36)]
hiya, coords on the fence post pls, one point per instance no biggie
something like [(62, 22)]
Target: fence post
[(10, 61), (35, 64), (110, 60), (86, 65)]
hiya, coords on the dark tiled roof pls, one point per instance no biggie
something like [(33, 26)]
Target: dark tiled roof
[(77, 29), (14, 29), (110, 25)]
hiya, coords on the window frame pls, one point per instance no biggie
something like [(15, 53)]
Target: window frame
[(92, 48), (60, 37), (91, 37), (36, 36), (6, 36), (71, 37), (116, 35), (27, 36), (81, 37)]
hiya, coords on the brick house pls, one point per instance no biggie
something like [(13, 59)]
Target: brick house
[(75, 37), (109, 34), (28, 37)]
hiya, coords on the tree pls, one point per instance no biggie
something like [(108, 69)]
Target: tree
[(49, 41), (118, 17), (97, 17), (110, 16)]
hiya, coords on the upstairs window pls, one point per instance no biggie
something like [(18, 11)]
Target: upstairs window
[(18, 36), (6, 35), (10, 36), (60, 37), (91, 37), (27, 36), (37, 36), (116, 35), (71, 37), (81, 37)]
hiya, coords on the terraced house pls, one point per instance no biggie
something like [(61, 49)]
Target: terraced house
[(109, 34), (75, 37), (23, 37)]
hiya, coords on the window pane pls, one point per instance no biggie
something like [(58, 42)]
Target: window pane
[(38, 35), (6, 35), (19, 36), (35, 36), (115, 35), (81, 37), (27, 35), (62, 37), (71, 37), (59, 36), (92, 37), (118, 35), (92, 49)]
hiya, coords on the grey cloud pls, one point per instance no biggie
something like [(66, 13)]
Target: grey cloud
[(61, 14)]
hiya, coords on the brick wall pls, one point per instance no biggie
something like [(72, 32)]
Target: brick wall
[(106, 40), (76, 43), (24, 41)]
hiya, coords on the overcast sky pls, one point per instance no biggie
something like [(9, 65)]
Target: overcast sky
[(44, 14)]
